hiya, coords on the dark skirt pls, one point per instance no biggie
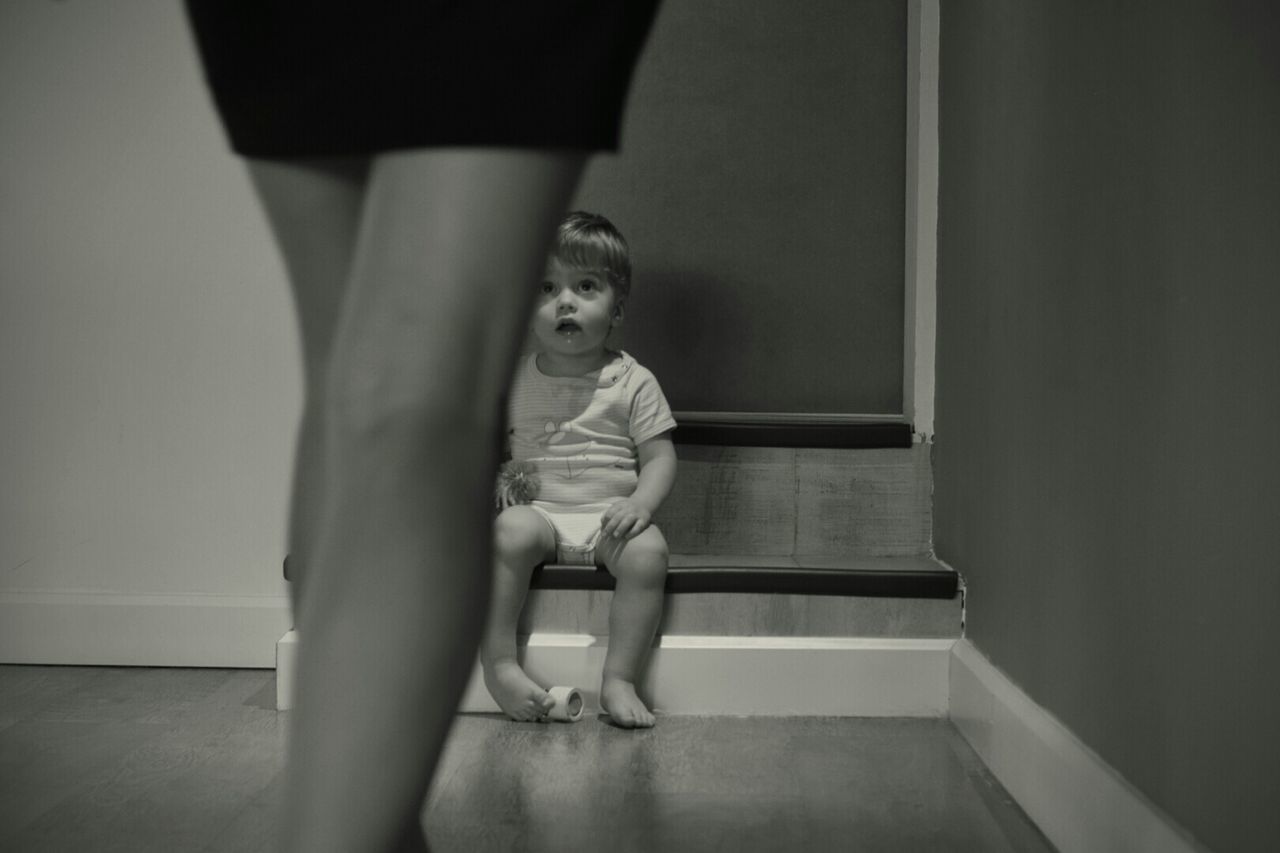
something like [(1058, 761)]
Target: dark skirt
[(324, 79)]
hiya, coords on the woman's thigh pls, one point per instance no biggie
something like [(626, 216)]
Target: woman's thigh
[(314, 208), (443, 276)]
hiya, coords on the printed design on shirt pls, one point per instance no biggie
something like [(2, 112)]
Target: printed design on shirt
[(559, 438)]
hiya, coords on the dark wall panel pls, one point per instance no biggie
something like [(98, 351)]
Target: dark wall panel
[(1109, 381), (761, 186)]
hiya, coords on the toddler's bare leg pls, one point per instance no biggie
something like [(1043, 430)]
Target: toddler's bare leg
[(398, 581), (522, 539), (639, 566), (314, 210)]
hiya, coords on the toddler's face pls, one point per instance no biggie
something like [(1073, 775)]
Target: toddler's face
[(576, 309)]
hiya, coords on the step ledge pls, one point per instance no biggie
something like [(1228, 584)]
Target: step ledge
[(715, 641), (868, 433), (885, 577)]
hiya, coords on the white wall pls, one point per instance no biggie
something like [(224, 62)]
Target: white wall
[(149, 374)]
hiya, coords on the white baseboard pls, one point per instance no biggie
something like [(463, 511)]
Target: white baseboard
[(1076, 799), (113, 629), (762, 676)]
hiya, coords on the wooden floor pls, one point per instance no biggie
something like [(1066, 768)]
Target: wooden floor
[(137, 760)]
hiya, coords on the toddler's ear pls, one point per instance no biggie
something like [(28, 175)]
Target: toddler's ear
[(619, 312)]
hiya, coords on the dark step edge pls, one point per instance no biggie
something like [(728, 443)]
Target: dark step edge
[(784, 580), (844, 436), (916, 583)]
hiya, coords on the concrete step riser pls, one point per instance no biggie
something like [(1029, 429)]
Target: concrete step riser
[(783, 501)]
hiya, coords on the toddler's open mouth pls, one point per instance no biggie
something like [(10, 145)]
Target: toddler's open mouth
[(567, 327)]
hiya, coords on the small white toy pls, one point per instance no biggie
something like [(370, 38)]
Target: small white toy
[(569, 704)]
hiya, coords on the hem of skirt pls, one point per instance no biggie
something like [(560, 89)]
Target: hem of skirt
[(276, 150)]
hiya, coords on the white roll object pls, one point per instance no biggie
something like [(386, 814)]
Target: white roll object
[(569, 705)]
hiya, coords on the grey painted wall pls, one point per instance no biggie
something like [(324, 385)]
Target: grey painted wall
[(762, 187), (1107, 478)]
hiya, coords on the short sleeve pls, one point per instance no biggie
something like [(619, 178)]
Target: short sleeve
[(650, 414)]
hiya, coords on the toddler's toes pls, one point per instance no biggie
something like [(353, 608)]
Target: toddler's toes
[(618, 698), (638, 716)]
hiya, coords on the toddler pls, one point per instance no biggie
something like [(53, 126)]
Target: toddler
[(594, 427)]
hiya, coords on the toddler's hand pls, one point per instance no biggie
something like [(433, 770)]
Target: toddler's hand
[(517, 484), (505, 499), (624, 520)]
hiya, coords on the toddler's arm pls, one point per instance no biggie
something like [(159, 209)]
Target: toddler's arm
[(629, 516)]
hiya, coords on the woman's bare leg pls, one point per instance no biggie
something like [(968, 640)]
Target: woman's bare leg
[(439, 291), (314, 210)]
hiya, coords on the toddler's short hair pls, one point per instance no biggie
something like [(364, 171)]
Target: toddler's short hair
[(589, 241)]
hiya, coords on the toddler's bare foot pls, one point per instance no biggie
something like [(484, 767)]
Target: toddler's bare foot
[(618, 698), (519, 697)]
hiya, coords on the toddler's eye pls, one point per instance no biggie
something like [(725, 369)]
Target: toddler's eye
[(546, 287), (586, 285)]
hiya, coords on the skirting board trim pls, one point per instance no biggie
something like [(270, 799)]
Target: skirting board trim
[(120, 629), (759, 676), (1076, 799)]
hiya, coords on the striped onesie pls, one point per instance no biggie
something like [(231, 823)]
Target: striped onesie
[(581, 434)]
